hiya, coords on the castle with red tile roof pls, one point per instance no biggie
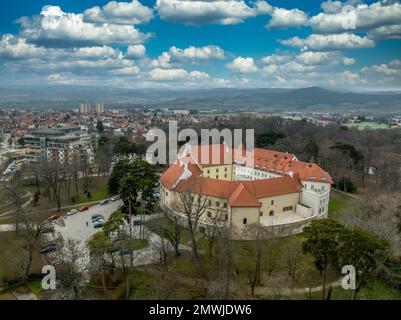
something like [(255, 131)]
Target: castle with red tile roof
[(241, 188)]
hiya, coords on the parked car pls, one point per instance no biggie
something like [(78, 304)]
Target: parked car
[(54, 217), (137, 222), (48, 249), (49, 244), (96, 217), (84, 208), (103, 202), (98, 223), (72, 212), (115, 198), (124, 251)]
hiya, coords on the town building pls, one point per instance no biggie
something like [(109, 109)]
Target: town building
[(84, 108), (267, 188), (99, 107), (64, 145)]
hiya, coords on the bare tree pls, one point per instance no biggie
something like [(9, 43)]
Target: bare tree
[(173, 233), (14, 193), (192, 205), (214, 226), (71, 265), (33, 224), (271, 254), (257, 235), (294, 250), (224, 264)]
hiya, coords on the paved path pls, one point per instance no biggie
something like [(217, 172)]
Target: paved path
[(23, 206), (266, 291), (24, 296), (351, 195)]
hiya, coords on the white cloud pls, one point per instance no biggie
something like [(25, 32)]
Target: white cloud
[(200, 53), (163, 61), (276, 58), (324, 57), (391, 69), (176, 74), (329, 42), (198, 12), (135, 52), (12, 47), (60, 79), (125, 13), (222, 82), (283, 18), (243, 65), (132, 70), (69, 29), (379, 19), (346, 78)]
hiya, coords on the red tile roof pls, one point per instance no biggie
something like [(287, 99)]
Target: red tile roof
[(211, 155), (174, 172), (240, 193), (242, 197)]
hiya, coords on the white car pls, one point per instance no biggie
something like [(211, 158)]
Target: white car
[(72, 212)]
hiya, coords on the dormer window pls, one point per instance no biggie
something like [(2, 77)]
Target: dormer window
[(281, 172), (312, 178), (272, 170), (324, 179)]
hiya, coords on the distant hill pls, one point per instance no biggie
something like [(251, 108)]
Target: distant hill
[(304, 99)]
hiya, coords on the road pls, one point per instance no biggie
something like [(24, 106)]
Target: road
[(75, 227)]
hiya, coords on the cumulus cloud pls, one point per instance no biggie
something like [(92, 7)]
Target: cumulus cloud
[(198, 53), (127, 13), (324, 57), (53, 27), (175, 56), (15, 48), (283, 18), (12, 47), (198, 12), (243, 65), (391, 69), (320, 42), (132, 70), (135, 52), (176, 74), (379, 20), (163, 61), (276, 58)]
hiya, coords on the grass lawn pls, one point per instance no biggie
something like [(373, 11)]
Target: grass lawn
[(379, 291), (35, 286), (8, 207), (98, 191), (5, 221), (12, 255), (155, 225), (337, 203)]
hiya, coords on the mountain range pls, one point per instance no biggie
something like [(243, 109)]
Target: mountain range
[(233, 99)]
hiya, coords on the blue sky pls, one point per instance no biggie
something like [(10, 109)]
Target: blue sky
[(201, 43)]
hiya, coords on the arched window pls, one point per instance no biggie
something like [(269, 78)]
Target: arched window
[(271, 213)]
